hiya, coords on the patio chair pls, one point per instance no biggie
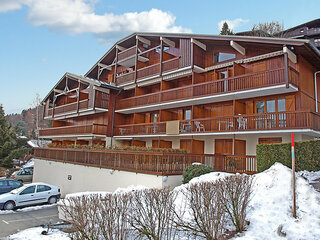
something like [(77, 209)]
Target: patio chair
[(199, 126)]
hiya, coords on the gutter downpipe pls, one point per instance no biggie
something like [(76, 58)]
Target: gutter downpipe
[(113, 110), (315, 89)]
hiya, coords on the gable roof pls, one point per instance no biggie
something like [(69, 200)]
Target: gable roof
[(307, 47)]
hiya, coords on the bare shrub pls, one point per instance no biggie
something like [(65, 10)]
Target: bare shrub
[(202, 215), (152, 214), (98, 216), (81, 211), (113, 221), (234, 194)]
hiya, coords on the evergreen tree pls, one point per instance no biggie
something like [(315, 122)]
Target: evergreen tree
[(225, 30), (10, 145)]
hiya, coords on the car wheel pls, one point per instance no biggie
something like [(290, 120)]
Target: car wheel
[(52, 200), (10, 205)]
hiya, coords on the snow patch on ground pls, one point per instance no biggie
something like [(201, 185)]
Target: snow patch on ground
[(35, 234), (311, 177), (270, 209), (27, 209)]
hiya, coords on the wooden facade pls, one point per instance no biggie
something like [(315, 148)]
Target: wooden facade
[(176, 91)]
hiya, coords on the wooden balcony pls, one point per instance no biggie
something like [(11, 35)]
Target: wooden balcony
[(63, 111), (147, 162), (228, 85), (149, 71), (130, 52), (77, 130), (252, 122)]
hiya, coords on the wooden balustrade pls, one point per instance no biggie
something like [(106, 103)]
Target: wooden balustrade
[(127, 53), (141, 129), (251, 122), (67, 108), (147, 162), (170, 65), (125, 78), (148, 71), (232, 84), (97, 129)]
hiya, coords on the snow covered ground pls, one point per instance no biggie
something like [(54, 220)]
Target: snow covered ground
[(270, 210), (27, 209)]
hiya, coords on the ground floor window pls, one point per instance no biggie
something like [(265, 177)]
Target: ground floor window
[(270, 140)]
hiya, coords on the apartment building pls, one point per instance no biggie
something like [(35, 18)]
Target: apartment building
[(207, 94)]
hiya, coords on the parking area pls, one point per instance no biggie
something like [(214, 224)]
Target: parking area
[(15, 221)]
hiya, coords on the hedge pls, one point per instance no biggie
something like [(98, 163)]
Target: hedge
[(307, 154), (195, 170)]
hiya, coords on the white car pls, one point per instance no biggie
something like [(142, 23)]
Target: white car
[(30, 194)]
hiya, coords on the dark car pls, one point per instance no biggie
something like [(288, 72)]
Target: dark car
[(8, 185)]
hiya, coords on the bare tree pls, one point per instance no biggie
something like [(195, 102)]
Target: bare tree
[(234, 193), (202, 215), (152, 214), (267, 29)]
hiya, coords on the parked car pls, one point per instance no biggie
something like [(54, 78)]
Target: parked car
[(8, 185), (30, 194), (24, 176)]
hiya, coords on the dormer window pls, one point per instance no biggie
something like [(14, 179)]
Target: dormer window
[(221, 57)]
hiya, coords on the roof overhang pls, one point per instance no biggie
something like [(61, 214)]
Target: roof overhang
[(78, 78)]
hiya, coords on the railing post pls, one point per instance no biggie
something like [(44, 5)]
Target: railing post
[(286, 69)]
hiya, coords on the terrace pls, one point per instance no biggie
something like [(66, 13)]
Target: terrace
[(238, 123), (147, 162)]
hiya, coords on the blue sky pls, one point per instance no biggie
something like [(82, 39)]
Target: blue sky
[(40, 40)]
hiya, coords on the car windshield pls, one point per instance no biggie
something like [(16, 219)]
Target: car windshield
[(17, 190)]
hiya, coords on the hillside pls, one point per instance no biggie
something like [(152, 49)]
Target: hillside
[(25, 122)]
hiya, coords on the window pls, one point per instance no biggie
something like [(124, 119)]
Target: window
[(3, 183), (260, 106), (155, 117), (28, 190), (271, 106), (43, 188), (270, 140), (221, 57), (13, 183), (223, 74), (187, 114), (281, 105)]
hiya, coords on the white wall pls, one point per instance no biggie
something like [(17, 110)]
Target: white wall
[(84, 178)]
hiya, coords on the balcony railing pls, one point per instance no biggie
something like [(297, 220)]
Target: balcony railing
[(227, 85), (93, 129), (147, 162), (127, 53), (149, 71), (67, 108), (125, 78), (252, 122)]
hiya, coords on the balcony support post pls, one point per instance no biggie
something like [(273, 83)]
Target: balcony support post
[(115, 66), (78, 97), (192, 50), (136, 60), (286, 69), (161, 55)]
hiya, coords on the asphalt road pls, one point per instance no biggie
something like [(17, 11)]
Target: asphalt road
[(17, 221)]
